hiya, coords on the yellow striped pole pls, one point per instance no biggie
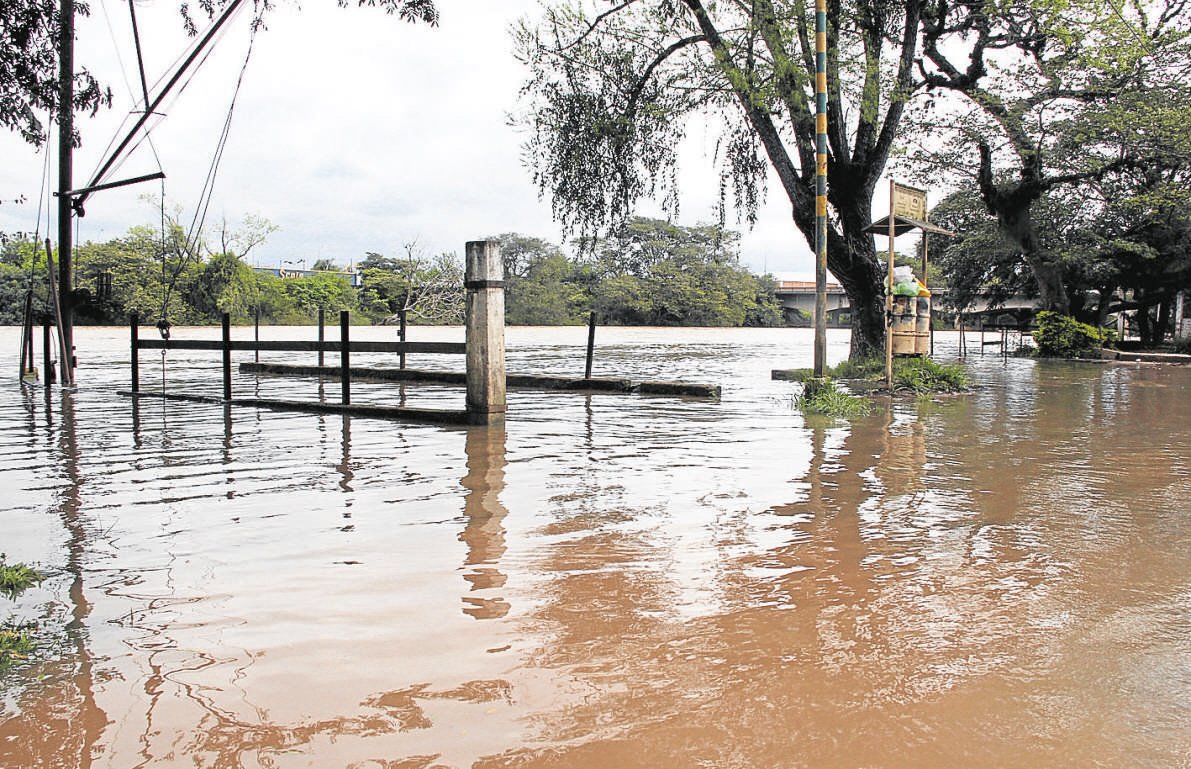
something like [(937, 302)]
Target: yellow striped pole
[(820, 186)]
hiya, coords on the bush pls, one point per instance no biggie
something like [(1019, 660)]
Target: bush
[(823, 396), (1182, 345), (1061, 336)]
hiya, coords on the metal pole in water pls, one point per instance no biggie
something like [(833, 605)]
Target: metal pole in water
[(227, 357), (591, 325), (403, 315), (889, 291), (322, 320), (256, 334), (820, 187), (65, 184), (134, 334), (345, 372), (45, 355)]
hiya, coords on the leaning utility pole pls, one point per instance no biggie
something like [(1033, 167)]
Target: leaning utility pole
[(65, 184), (820, 187)]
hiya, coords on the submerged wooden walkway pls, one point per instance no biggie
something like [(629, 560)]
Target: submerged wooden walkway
[(435, 416), (527, 381)]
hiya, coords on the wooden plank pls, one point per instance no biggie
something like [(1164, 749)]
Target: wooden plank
[(689, 389), (400, 413), (527, 381), (359, 372), (425, 348)]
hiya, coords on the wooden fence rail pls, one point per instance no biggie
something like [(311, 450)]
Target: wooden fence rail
[(226, 345), (484, 349)]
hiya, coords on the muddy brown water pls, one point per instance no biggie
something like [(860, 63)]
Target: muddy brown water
[(1001, 579)]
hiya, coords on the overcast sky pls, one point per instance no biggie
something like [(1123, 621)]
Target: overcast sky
[(353, 132)]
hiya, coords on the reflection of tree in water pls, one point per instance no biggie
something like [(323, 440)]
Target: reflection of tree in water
[(59, 722)]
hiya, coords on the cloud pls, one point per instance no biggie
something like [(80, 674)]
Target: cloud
[(353, 131)]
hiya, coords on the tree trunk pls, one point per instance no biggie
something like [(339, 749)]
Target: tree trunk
[(1163, 321), (1103, 304), (1145, 326), (1012, 205), (852, 259), (1017, 224)]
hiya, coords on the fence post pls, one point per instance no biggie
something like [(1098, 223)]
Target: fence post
[(591, 323), (256, 335), (485, 306), (134, 334), (322, 320), (345, 371), (50, 375), (227, 357), (402, 314)]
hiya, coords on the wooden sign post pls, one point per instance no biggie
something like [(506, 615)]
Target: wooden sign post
[(904, 203)]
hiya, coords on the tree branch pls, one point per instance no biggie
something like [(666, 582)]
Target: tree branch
[(591, 27)]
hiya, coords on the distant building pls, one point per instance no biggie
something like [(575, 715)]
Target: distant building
[(353, 277)]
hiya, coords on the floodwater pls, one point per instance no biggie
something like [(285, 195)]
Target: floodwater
[(1000, 579)]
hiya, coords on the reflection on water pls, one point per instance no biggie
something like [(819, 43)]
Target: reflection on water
[(993, 580)]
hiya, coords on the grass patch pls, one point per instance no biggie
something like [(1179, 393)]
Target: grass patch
[(869, 369), (823, 396), (16, 578), (923, 375), (917, 375), (15, 646)]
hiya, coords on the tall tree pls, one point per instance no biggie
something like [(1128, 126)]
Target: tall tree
[(424, 287), (29, 40), (1051, 92), (612, 85)]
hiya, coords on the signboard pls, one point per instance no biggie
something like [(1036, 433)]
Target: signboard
[(908, 202)]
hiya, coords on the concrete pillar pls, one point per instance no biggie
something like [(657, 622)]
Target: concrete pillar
[(484, 281)]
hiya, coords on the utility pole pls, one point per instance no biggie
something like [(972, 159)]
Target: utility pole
[(66, 183), (820, 187)]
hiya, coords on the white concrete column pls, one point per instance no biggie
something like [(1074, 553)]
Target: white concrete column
[(484, 281)]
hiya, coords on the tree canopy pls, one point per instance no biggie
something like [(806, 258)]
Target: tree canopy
[(681, 276), (612, 85), (1050, 95)]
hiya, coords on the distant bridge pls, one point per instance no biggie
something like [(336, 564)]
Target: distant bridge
[(798, 296)]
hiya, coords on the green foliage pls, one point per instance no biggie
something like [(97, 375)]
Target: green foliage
[(611, 89), (542, 286), (920, 375), (223, 284), (648, 272), (923, 375), (652, 272), (1182, 345), (29, 68), (1060, 336), (871, 369), (427, 289), (823, 396), (16, 644), (1058, 166), (16, 578)]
